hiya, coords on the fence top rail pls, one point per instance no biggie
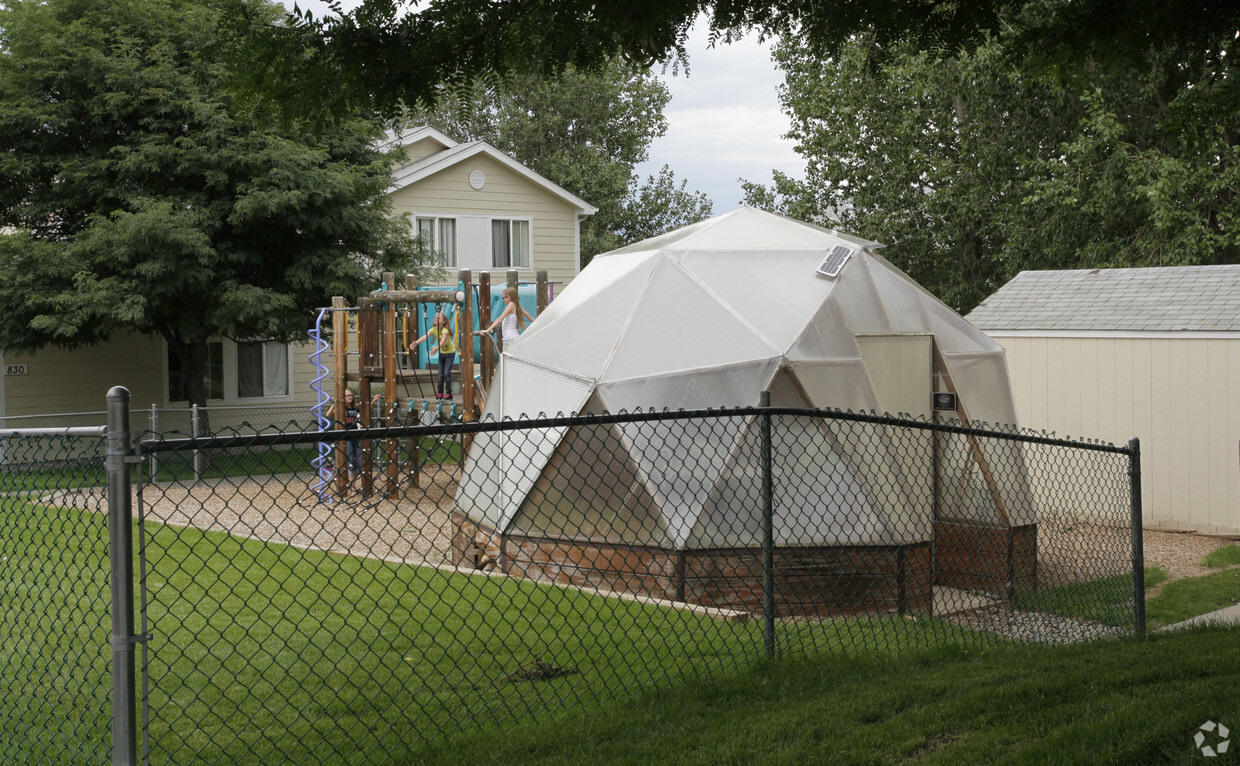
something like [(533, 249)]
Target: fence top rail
[(638, 416), (62, 431)]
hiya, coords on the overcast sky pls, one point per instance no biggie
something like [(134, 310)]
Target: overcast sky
[(724, 122)]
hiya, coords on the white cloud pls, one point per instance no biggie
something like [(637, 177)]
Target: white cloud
[(724, 121)]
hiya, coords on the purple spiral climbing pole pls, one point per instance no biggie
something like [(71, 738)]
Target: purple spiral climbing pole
[(322, 463)]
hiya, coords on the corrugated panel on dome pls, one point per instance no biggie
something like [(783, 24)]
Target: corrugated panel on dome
[(529, 391)]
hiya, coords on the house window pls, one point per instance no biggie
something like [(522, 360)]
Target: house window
[(262, 370), (510, 244), (235, 371), (212, 376), (439, 234)]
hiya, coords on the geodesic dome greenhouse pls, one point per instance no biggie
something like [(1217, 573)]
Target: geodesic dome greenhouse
[(709, 316)]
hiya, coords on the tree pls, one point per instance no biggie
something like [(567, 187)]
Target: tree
[(914, 151), (660, 205), (583, 130), (1149, 176), (388, 53), (137, 198), (979, 164)]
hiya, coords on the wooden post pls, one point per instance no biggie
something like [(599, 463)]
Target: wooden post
[(484, 320), (540, 291), (340, 348), (369, 342), (389, 385), (467, 347)]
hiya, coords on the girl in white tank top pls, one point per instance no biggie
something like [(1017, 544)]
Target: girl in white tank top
[(510, 321)]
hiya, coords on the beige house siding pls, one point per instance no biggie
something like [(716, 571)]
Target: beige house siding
[(1179, 396), (78, 381), (59, 381), (506, 194)]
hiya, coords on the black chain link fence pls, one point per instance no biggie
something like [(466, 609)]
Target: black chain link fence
[(54, 600), (308, 607)]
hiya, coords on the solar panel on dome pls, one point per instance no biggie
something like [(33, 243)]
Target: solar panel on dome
[(835, 261)]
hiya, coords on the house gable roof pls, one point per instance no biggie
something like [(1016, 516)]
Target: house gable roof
[(1160, 299), (417, 170), (414, 135)]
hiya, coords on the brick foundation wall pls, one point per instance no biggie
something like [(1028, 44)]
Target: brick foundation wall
[(995, 559), (815, 581), (471, 541), (631, 569), (809, 581)]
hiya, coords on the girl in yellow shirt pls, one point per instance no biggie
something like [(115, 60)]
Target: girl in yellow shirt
[(443, 340)]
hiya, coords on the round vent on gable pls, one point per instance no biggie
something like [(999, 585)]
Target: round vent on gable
[(477, 179)]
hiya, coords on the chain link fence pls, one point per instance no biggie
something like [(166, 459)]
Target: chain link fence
[(297, 604), (54, 599)]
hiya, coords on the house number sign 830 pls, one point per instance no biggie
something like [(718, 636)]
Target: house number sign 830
[(16, 369)]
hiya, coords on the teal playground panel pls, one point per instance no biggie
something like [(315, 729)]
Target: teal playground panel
[(425, 313)]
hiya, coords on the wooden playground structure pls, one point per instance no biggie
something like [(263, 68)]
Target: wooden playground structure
[(379, 363)]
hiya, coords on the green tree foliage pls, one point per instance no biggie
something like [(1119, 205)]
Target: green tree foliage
[(974, 166), (136, 198), (914, 151), (388, 53), (583, 130)]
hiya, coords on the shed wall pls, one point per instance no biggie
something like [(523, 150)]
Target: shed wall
[(1180, 397)]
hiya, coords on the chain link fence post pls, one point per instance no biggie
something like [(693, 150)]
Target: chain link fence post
[(153, 426), (194, 432), (1138, 543), (118, 461), (768, 533)]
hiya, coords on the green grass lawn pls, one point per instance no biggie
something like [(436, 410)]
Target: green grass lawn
[(267, 654), (1191, 596), (1107, 600), (270, 655), (54, 630), (1135, 701), (1225, 556), (39, 480)]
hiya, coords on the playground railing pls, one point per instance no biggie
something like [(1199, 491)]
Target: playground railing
[(449, 579)]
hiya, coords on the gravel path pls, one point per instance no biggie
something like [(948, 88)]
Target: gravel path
[(414, 528), (1038, 627)]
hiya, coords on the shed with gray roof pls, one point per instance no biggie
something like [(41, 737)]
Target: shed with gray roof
[(1152, 353)]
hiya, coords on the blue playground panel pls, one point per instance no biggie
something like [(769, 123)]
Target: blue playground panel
[(425, 312)]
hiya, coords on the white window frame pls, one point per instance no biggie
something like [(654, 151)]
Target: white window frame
[(445, 258), (529, 240), (230, 371)]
